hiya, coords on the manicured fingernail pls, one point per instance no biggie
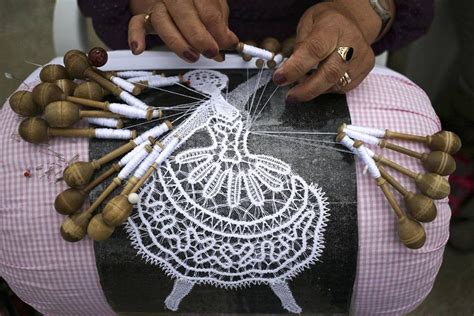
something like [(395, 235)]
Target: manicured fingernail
[(220, 57), (191, 55), (279, 79), (133, 47), (291, 99), (210, 53)]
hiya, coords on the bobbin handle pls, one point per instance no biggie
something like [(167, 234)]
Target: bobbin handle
[(393, 182), (390, 197), (385, 144), (104, 83), (101, 178), (101, 198), (87, 102), (395, 166), (145, 177), (404, 136), (102, 114), (120, 151), (129, 186), (71, 132)]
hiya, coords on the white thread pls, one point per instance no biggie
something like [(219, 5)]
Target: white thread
[(101, 121), (127, 111), (133, 163), (368, 161), (146, 164), (133, 73), (377, 132), (257, 52), (361, 136), (144, 78), (167, 151), (113, 133), (125, 159), (122, 83), (163, 81), (155, 132), (133, 101), (278, 59)]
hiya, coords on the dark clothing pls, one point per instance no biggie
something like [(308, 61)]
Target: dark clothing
[(256, 19)]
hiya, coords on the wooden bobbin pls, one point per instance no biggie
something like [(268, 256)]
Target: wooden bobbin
[(246, 57), (66, 114), (71, 200), (78, 66), (421, 207), (51, 73), (436, 161), (410, 232), (287, 46), (273, 45), (66, 85), (443, 140), (79, 173), (90, 90), (430, 184), (118, 209), (107, 75), (22, 103), (35, 130), (46, 93), (75, 226)]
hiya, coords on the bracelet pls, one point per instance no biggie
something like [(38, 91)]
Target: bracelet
[(383, 13)]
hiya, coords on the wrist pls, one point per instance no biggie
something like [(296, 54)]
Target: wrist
[(366, 18)]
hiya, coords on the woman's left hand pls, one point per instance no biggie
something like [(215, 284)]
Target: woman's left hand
[(321, 31)]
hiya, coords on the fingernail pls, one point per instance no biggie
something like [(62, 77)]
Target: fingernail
[(290, 99), (220, 57), (279, 79), (191, 55), (133, 46), (210, 53)]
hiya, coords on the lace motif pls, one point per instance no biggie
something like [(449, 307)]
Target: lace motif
[(221, 215)]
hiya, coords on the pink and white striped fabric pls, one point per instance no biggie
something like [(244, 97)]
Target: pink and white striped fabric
[(59, 278)]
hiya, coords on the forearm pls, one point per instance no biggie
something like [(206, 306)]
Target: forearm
[(366, 17)]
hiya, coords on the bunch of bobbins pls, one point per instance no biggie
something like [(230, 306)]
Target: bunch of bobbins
[(78, 67), (74, 227), (122, 83), (45, 94), (270, 51), (411, 233), (80, 173), (436, 161), (432, 184)]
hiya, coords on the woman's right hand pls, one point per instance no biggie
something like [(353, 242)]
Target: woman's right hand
[(187, 27)]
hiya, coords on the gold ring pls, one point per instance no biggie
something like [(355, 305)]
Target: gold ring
[(147, 17), (345, 80), (346, 53)]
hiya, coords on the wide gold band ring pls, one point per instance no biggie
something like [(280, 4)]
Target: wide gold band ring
[(345, 80)]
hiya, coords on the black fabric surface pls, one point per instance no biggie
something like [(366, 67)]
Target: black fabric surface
[(133, 286)]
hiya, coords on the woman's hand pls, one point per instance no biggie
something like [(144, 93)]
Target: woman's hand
[(322, 29), (187, 27)]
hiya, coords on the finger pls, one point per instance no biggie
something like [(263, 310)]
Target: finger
[(187, 20), (326, 76), (136, 34), (214, 19), (170, 35), (316, 47), (359, 73)]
